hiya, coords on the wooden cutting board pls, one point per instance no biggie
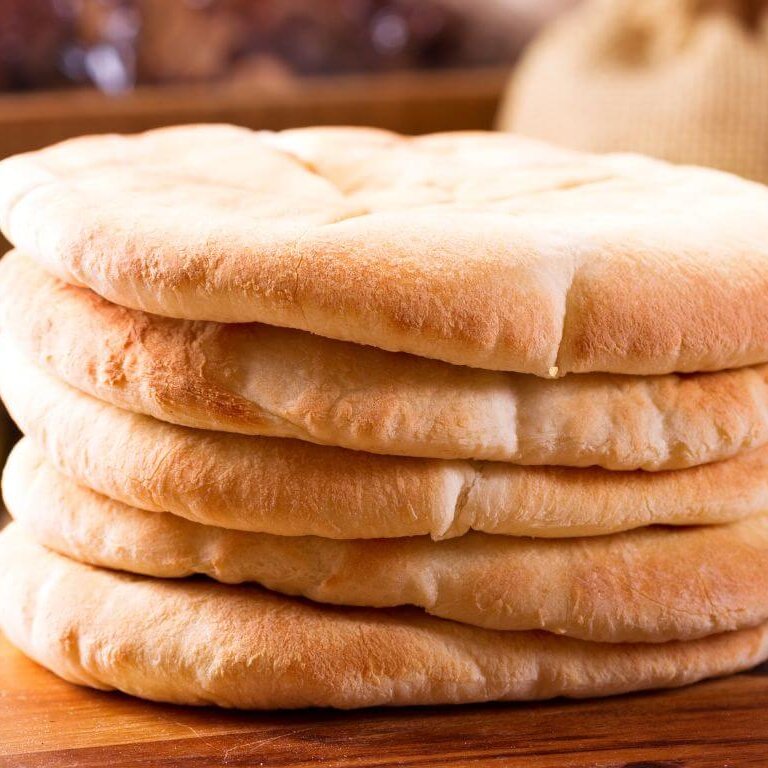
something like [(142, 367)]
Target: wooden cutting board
[(47, 722)]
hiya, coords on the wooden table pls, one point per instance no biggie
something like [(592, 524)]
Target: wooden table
[(717, 724)]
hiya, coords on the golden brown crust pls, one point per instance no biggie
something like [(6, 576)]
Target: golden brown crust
[(257, 379), (290, 487), (486, 250), (629, 587), (196, 642)]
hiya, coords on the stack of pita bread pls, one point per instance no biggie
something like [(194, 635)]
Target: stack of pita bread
[(335, 417)]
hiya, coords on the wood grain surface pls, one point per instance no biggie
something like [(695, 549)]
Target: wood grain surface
[(47, 722)]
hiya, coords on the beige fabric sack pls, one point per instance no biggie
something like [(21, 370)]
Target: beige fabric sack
[(684, 80)]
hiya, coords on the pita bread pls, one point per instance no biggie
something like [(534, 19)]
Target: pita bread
[(293, 488), (486, 250), (257, 379), (197, 642), (629, 587)]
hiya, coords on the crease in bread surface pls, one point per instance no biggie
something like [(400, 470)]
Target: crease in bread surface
[(153, 638), (630, 587), (487, 250), (258, 379), (291, 487)]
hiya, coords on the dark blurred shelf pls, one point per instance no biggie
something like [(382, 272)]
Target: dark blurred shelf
[(409, 102)]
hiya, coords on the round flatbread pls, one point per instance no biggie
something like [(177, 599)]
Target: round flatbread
[(259, 379), (479, 249), (289, 487), (629, 587), (197, 642)]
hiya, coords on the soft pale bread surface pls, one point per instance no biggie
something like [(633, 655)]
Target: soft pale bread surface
[(259, 379), (650, 585), (293, 488), (480, 249), (197, 642)]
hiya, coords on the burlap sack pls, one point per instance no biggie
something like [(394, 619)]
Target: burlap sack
[(685, 80)]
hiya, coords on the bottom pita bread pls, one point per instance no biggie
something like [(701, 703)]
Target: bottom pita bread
[(650, 585), (197, 642)]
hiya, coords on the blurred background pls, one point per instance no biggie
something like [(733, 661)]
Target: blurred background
[(684, 80), (74, 66)]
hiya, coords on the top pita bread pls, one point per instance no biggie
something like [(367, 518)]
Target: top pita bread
[(480, 249), (263, 380)]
